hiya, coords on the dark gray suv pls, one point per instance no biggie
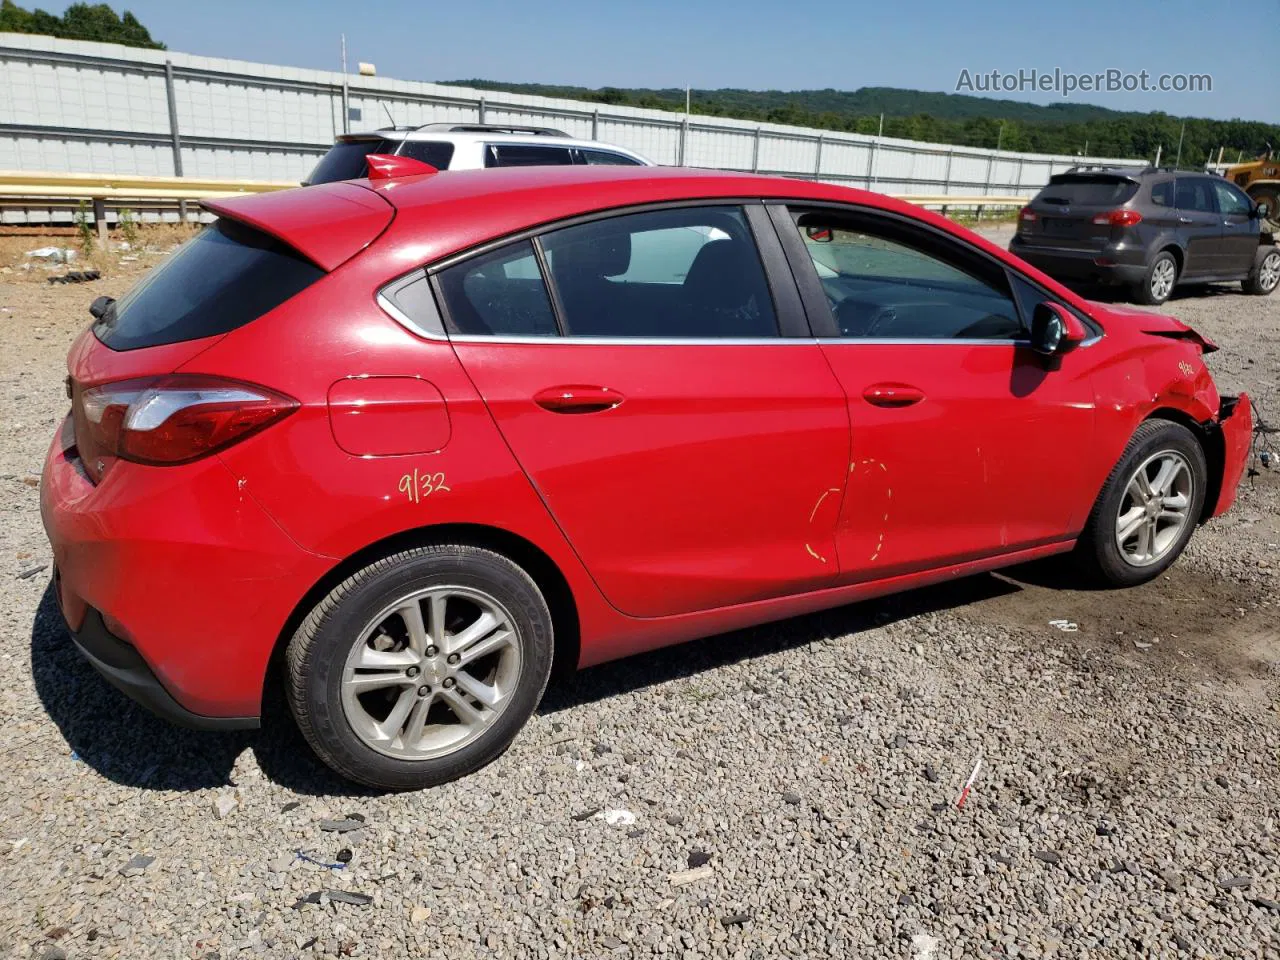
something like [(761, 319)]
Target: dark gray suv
[(1149, 230)]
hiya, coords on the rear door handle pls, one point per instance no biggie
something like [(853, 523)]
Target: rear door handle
[(892, 394), (577, 398), (1185, 220)]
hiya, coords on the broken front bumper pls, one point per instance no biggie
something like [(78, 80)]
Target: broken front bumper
[(1235, 421)]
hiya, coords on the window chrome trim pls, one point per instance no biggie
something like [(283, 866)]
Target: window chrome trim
[(934, 341), (400, 317), (397, 315), (638, 341)]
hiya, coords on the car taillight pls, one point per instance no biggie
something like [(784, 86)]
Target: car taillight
[(171, 419), (1027, 215), (1118, 218)]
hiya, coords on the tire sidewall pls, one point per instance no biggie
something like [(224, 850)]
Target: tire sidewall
[(336, 632), (1169, 437)]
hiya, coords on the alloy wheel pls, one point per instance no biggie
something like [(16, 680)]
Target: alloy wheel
[(431, 672), (1155, 509), (1269, 274), (1162, 278)]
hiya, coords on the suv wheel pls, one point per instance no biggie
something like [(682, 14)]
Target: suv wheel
[(1148, 508), (1265, 275), (421, 667), (1158, 284)]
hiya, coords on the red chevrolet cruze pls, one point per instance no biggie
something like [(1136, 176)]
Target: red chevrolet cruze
[(420, 434)]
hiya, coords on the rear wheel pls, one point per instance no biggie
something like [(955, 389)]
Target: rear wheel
[(1148, 508), (421, 667), (1265, 275), (1159, 281)]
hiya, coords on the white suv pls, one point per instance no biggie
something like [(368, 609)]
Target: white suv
[(467, 146)]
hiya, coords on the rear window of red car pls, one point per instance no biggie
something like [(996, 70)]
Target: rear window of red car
[(227, 276)]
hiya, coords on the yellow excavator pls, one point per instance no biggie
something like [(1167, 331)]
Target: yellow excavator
[(1260, 179)]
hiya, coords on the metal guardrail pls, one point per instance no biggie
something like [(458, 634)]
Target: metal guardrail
[(89, 185), (18, 188), (21, 188)]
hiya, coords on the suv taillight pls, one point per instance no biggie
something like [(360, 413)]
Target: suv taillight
[(171, 419), (1027, 215), (1118, 218)]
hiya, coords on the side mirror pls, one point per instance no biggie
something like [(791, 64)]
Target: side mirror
[(1054, 329)]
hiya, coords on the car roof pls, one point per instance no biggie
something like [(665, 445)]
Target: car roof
[(437, 215), (457, 209)]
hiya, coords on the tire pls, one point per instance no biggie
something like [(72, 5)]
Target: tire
[(1265, 275), (1158, 283), (355, 658), (1152, 444)]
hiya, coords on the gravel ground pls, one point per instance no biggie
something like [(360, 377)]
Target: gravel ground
[(785, 791)]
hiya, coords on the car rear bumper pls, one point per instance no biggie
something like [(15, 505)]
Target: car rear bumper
[(174, 583), (1063, 263), (1235, 419), (123, 667)]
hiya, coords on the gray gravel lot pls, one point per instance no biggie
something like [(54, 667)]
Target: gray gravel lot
[(781, 792)]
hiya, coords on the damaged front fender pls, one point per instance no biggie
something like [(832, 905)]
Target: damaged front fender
[(1231, 431)]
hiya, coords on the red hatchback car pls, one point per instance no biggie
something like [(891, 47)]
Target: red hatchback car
[(420, 434)]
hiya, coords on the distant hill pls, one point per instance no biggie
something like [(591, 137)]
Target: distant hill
[(947, 118)]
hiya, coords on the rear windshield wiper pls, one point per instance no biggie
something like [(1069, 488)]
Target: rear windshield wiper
[(98, 309)]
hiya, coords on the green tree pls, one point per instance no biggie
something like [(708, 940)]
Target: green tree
[(81, 21)]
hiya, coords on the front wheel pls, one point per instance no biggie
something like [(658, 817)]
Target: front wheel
[(1156, 287), (421, 667), (1265, 275), (1148, 508)]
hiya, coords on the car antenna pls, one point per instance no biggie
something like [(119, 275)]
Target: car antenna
[(388, 112)]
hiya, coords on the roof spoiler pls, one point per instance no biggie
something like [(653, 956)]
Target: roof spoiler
[(387, 166), (328, 224)]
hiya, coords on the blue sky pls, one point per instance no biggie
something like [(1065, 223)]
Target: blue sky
[(916, 44)]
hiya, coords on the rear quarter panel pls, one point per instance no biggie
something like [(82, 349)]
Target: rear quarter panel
[(336, 504)]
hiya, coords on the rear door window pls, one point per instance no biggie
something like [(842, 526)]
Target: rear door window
[(499, 294), (1087, 189), (222, 279), (607, 158), (526, 155), (1162, 194), (435, 152), (692, 272), (1196, 194), (345, 160)]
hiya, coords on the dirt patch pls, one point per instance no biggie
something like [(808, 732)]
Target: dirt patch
[(116, 258), (1187, 617)]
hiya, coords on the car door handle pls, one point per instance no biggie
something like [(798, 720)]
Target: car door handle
[(892, 394), (577, 398), (1185, 220)]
